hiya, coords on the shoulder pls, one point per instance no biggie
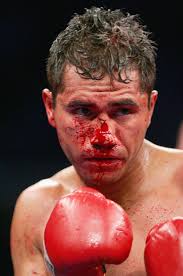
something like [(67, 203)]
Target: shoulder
[(53, 187), (35, 203), (169, 160), (31, 213), (170, 154), (31, 196), (26, 226), (29, 210), (41, 195)]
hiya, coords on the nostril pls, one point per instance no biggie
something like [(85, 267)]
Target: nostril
[(103, 147), (102, 138), (103, 141), (97, 146)]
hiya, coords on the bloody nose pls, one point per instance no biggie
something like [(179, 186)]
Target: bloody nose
[(102, 138)]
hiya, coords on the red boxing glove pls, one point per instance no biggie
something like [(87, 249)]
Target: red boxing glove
[(85, 230), (164, 249)]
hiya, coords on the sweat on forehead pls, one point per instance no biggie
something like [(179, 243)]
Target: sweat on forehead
[(73, 80)]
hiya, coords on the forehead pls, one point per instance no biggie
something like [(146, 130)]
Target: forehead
[(77, 86)]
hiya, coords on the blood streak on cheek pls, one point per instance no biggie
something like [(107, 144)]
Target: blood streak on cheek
[(82, 131)]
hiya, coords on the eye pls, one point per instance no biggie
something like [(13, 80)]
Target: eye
[(83, 111), (122, 112)]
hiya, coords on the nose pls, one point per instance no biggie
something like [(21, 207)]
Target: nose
[(102, 138)]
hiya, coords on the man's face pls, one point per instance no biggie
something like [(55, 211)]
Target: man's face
[(100, 124)]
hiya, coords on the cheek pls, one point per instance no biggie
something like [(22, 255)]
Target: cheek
[(82, 131), (139, 130), (132, 129), (75, 131)]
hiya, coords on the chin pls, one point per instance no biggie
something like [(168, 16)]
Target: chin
[(101, 178)]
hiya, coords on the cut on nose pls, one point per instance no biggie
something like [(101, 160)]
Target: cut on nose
[(102, 140)]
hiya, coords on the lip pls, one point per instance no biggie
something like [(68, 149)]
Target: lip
[(102, 159), (102, 163), (100, 156)]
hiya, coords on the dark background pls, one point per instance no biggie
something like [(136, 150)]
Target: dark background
[(29, 147)]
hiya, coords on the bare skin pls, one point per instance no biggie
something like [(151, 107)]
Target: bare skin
[(147, 180)]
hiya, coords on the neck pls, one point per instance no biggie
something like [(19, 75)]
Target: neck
[(129, 188)]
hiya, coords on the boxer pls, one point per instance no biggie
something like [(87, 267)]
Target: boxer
[(101, 71)]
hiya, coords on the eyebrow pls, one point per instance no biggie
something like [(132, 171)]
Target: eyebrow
[(123, 102), (75, 103)]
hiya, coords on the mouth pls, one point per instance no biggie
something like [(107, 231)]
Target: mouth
[(103, 159), (102, 163)]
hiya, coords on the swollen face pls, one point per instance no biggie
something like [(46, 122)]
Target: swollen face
[(101, 125)]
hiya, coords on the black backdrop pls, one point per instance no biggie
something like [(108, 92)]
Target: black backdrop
[(29, 147)]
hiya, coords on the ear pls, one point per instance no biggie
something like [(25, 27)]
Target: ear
[(153, 99), (47, 97)]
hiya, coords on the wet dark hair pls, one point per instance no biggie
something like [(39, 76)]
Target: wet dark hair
[(100, 42)]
